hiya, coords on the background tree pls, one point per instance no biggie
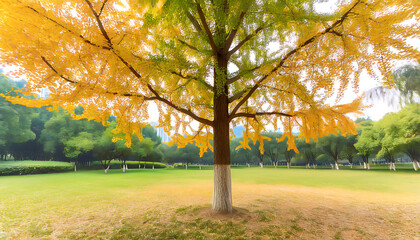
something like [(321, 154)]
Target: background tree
[(332, 145), (143, 149), (69, 140), (119, 56), (273, 149), (15, 121), (407, 82), (400, 132), (367, 142), (349, 152), (241, 155), (308, 152)]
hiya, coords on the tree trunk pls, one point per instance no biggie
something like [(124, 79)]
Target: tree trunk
[(364, 165), (336, 165), (288, 164), (75, 168), (106, 169), (351, 165), (415, 163), (261, 165), (222, 188)]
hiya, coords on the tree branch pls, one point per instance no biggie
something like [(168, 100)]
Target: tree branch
[(188, 45), (232, 34), (102, 7), (183, 110), (254, 115), (241, 74), (94, 87), (68, 30), (289, 54), (247, 38), (282, 90), (208, 86), (100, 25), (156, 97), (207, 29), (238, 94), (194, 21)]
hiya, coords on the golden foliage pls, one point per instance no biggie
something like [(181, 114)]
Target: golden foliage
[(116, 57)]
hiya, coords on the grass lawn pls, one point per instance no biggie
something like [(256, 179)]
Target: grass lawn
[(270, 203)]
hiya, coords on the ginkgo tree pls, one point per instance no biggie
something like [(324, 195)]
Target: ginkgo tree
[(207, 62)]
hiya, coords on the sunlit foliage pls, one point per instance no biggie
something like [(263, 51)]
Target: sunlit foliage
[(116, 57)]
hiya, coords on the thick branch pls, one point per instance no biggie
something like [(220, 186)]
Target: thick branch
[(94, 87), (183, 110), (238, 94), (241, 74), (208, 86), (207, 29), (188, 45), (254, 115), (100, 25), (289, 54), (194, 21), (232, 34), (156, 97), (247, 38), (289, 92), (69, 30)]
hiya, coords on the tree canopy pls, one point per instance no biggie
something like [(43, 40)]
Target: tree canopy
[(119, 56)]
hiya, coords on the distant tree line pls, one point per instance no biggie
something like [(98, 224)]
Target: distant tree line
[(38, 134)]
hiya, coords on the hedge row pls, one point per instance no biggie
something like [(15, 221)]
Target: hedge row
[(38, 167), (33, 167)]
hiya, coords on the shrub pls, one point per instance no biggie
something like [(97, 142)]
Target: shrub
[(33, 167)]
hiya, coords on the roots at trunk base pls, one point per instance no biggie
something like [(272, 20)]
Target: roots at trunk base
[(222, 189)]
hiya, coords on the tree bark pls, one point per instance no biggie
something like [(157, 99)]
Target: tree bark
[(415, 163), (222, 190)]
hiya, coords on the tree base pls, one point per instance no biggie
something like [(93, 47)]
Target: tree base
[(222, 189)]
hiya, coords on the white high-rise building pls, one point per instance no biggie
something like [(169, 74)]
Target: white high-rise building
[(161, 133)]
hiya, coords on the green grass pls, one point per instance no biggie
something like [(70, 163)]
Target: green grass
[(167, 203)]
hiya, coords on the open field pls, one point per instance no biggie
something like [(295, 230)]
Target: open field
[(174, 204)]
